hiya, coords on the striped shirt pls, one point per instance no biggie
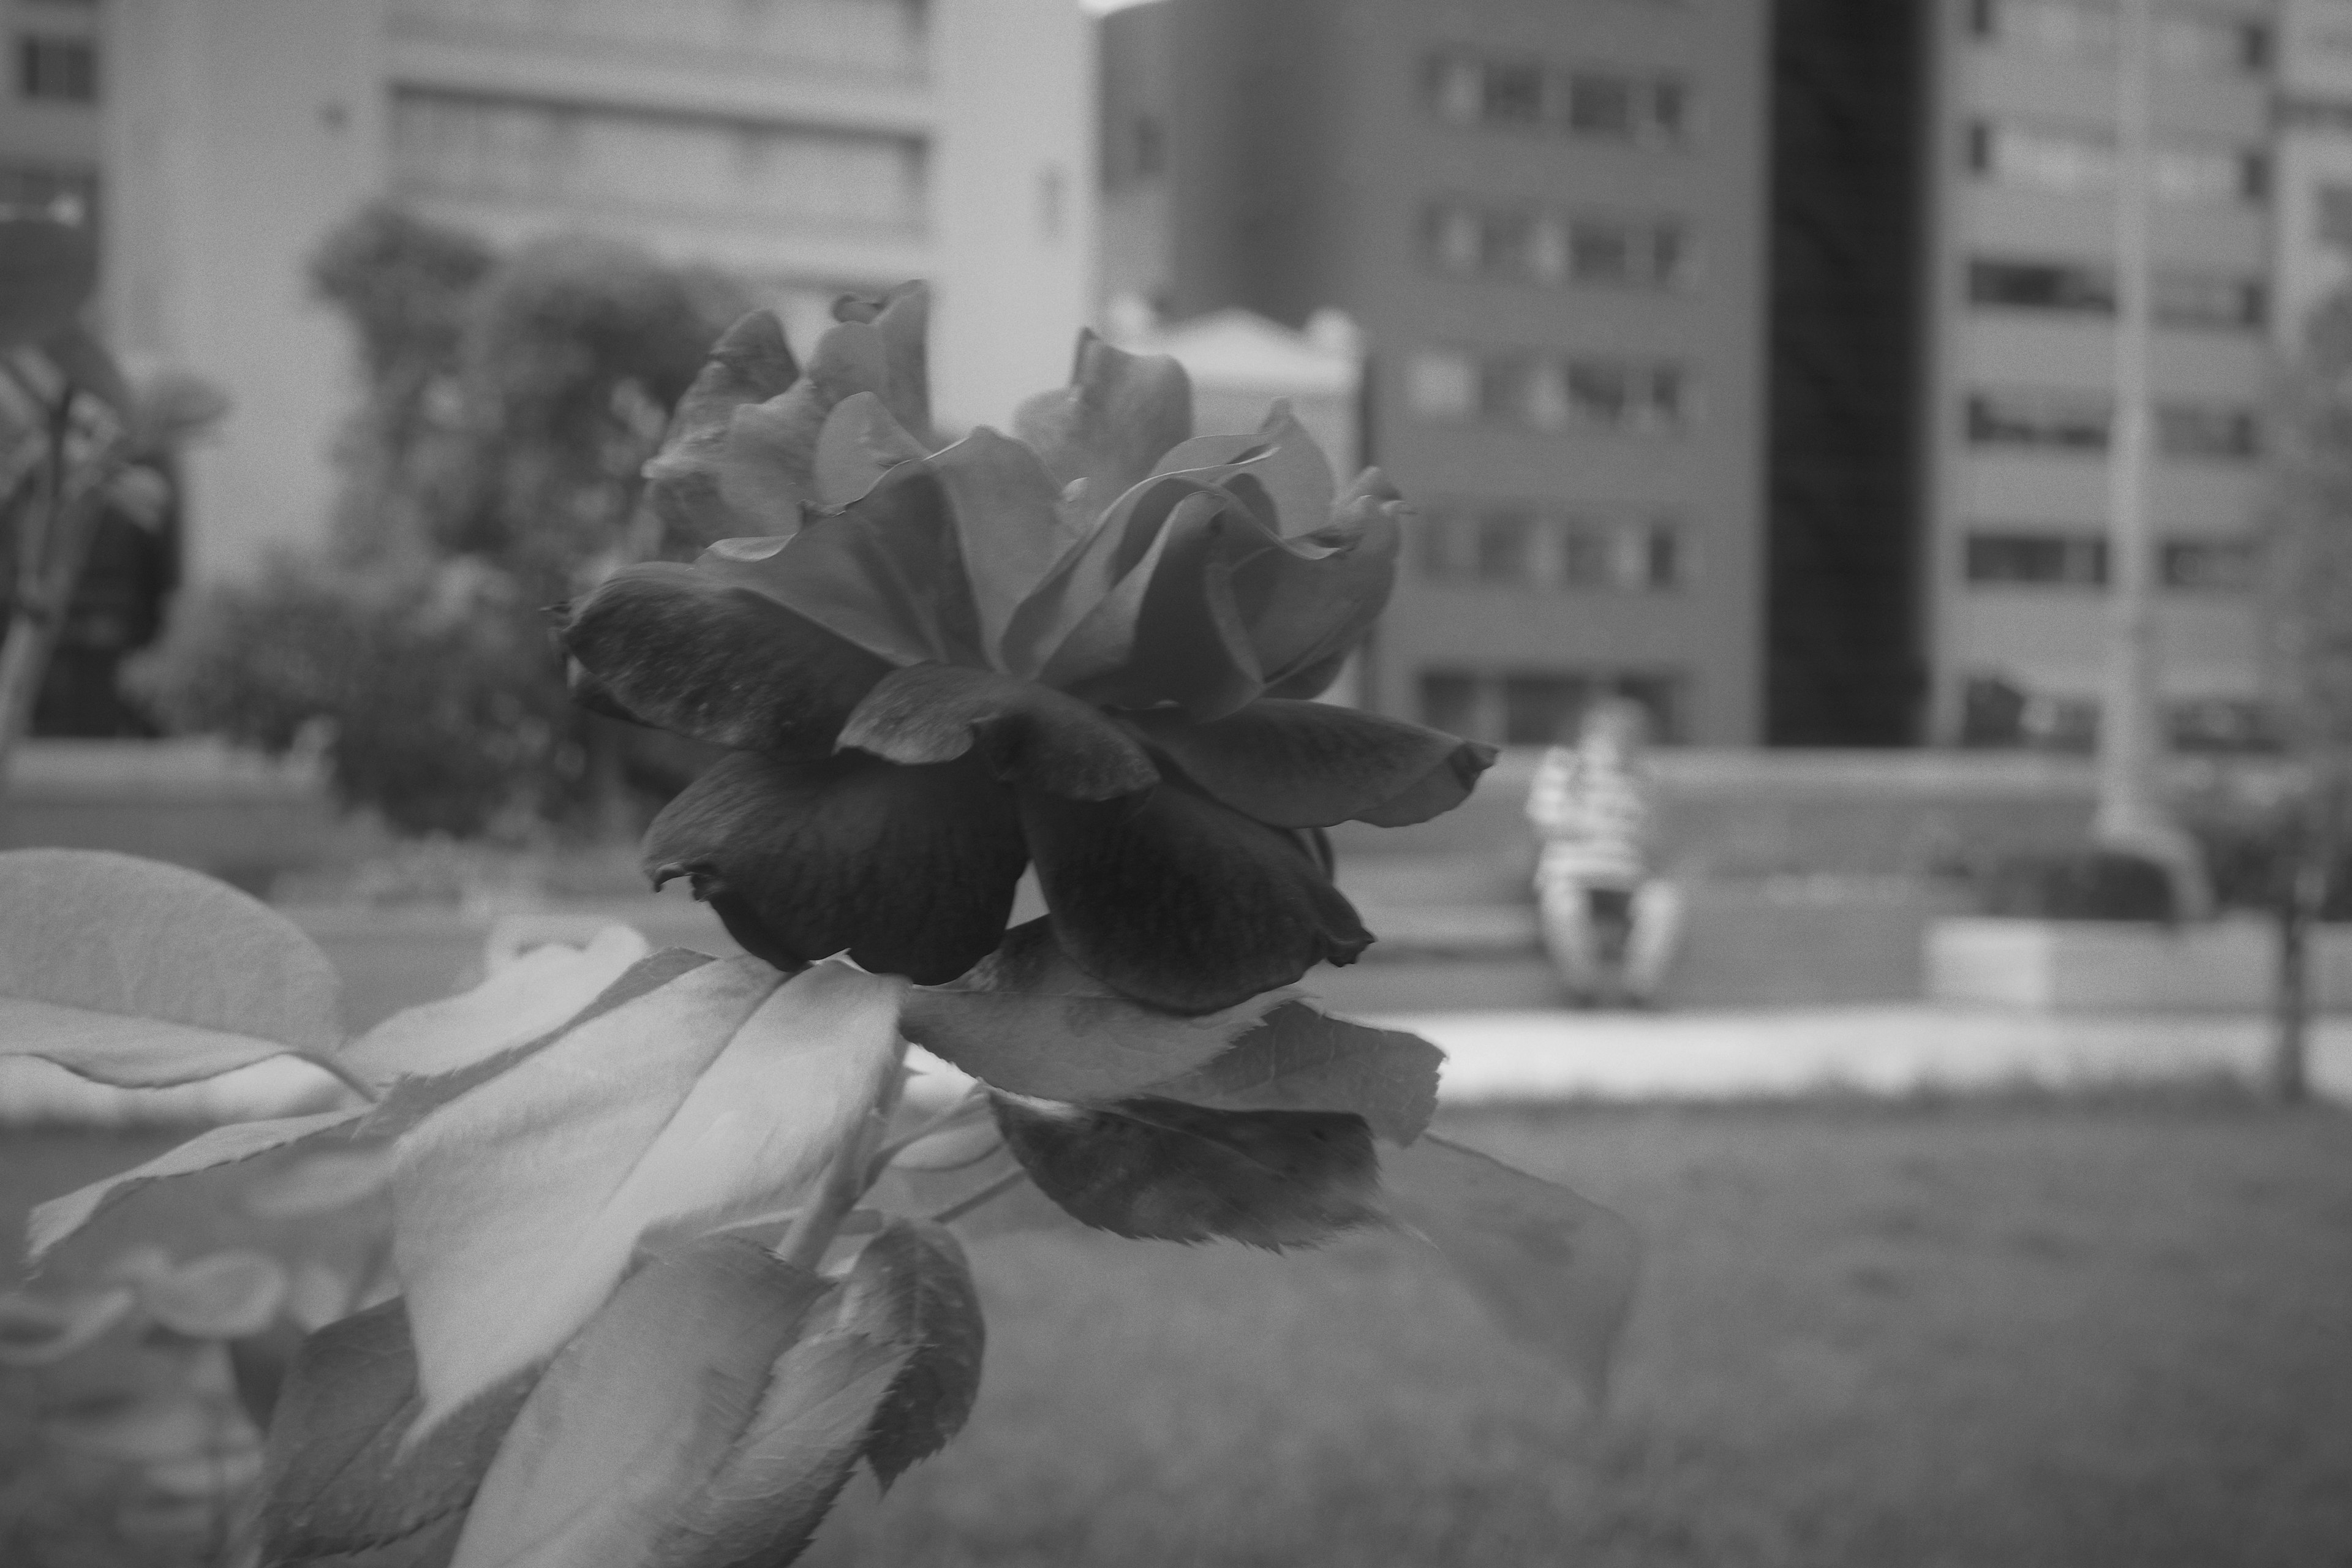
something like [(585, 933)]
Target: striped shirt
[(1594, 812)]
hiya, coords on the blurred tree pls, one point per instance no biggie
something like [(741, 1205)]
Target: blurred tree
[(491, 469), (86, 490)]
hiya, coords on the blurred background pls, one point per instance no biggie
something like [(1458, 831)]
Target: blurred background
[(1936, 415)]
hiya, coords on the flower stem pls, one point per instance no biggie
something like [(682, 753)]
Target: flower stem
[(964, 1206)]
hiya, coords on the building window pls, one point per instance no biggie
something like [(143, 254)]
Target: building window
[(871, 37), (69, 195), (1554, 393), (1531, 244), (2077, 558), (2054, 558), (2184, 298), (2070, 159), (2186, 39), (2039, 418), (1586, 103), (453, 144), (2059, 420), (61, 70), (1542, 707), (1569, 552), (2208, 565), (2206, 430)]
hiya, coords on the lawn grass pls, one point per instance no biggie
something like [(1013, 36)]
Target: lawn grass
[(2023, 1334)]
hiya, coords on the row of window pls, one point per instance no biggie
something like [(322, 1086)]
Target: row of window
[(2078, 558), (456, 145), (69, 195), (2052, 419), (1539, 708), (58, 70), (2075, 159), (1549, 391), (1589, 102), (1552, 246), (2187, 38), (1535, 548), (1999, 713), (2182, 297), (889, 37)]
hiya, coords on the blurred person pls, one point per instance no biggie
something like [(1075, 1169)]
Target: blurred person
[(1610, 924)]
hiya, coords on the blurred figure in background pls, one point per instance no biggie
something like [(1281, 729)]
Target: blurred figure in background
[(1610, 924)]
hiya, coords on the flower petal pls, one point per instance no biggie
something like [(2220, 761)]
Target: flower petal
[(901, 317), (859, 444), (1119, 414), (1308, 600), (1310, 765), (767, 472), (910, 870), (749, 365), (1189, 645), (1282, 473), (679, 648), (1182, 902), (1083, 622), (886, 573), (1027, 733), (1027, 1020), (1009, 520)]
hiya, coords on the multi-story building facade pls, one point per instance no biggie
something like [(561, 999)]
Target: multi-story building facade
[(2019, 387), (1547, 220), (2312, 197), (808, 146)]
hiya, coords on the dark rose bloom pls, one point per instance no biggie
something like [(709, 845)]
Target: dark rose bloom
[(1090, 648)]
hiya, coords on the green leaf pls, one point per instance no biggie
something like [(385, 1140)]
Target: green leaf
[(1029, 1021), (134, 973), (706, 1418), (638, 1414), (1556, 1272), (1301, 1058), (536, 993), (1160, 1170), (47, 272), (416, 1096), (917, 1276), (220, 1296), (467, 1045), (339, 1491), (53, 1222), (517, 1205)]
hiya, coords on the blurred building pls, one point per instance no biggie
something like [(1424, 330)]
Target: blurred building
[(2023, 291), (1756, 360), (808, 146), (1547, 222), (2312, 227)]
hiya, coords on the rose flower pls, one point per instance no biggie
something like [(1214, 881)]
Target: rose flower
[(1089, 647)]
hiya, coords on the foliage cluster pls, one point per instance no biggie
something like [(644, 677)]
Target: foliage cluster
[(491, 471)]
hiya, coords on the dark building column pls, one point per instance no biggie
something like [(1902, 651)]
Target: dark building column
[(1844, 633)]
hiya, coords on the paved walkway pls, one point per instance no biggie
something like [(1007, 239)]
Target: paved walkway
[(1494, 1057), (1882, 1050)]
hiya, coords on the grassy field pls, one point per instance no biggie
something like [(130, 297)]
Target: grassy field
[(2029, 1335)]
